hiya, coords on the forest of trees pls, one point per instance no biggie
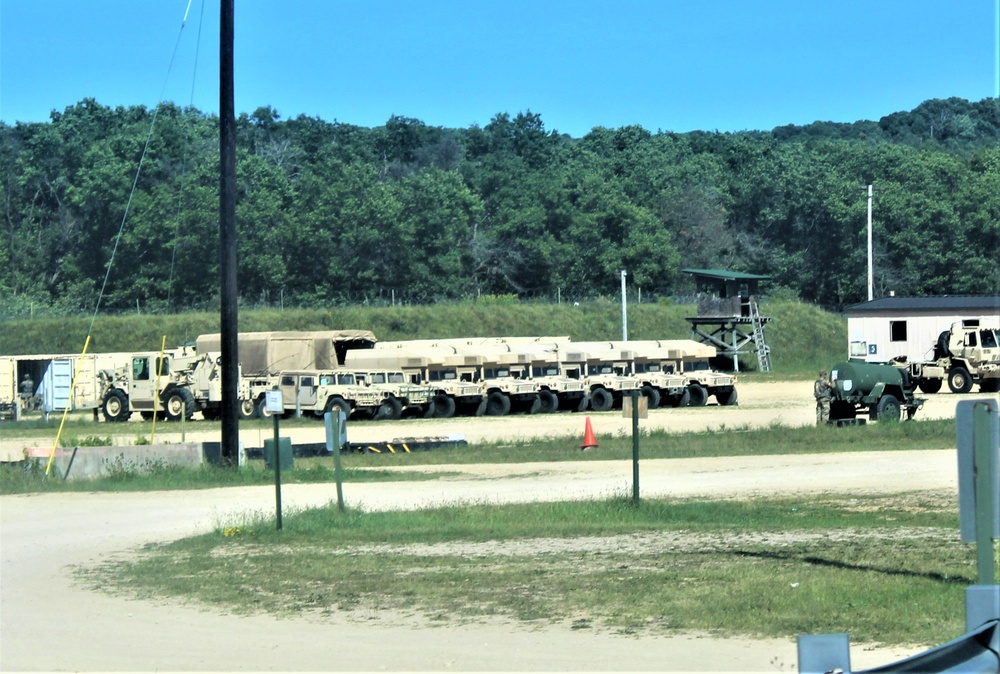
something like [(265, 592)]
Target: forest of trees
[(330, 213)]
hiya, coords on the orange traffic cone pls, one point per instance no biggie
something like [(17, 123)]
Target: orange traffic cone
[(588, 436)]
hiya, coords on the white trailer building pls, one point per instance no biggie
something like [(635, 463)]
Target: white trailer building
[(893, 327)]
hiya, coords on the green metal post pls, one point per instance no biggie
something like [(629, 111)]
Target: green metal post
[(635, 448), (986, 492), (277, 469), (337, 470)]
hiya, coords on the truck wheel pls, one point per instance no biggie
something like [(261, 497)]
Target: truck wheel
[(929, 385), (246, 409), (989, 385), (728, 398), (261, 408), (841, 409), (652, 397), (888, 408), (549, 400), (444, 406), (177, 403), (601, 399), (699, 396), (535, 406), (582, 404), (497, 404), (959, 380), (682, 400), (115, 406), (335, 403), (427, 411), (390, 408)]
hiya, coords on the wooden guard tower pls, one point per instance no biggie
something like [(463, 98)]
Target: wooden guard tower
[(728, 318)]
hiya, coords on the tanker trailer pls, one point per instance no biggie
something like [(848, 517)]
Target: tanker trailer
[(878, 391)]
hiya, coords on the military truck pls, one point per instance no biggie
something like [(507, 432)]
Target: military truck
[(702, 381), (882, 392), (654, 364), (174, 385), (402, 398), (605, 370), (317, 392), (965, 355), (451, 376)]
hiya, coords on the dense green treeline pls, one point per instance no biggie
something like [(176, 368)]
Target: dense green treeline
[(331, 214)]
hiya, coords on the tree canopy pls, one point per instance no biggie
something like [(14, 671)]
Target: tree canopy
[(330, 213)]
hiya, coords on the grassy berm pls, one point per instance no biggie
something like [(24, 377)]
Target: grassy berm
[(802, 337)]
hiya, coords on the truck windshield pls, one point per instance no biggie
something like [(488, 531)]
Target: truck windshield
[(345, 379)]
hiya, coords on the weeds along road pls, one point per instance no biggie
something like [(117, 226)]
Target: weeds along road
[(48, 621)]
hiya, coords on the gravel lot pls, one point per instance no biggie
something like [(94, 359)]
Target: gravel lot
[(49, 623)]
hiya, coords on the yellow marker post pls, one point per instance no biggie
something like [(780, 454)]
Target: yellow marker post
[(72, 390), (156, 393)]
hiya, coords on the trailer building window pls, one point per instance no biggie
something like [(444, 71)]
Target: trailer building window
[(897, 331)]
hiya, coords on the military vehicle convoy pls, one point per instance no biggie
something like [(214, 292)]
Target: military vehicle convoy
[(880, 392), (965, 355), (349, 369)]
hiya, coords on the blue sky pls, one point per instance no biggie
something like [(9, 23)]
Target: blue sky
[(667, 65)]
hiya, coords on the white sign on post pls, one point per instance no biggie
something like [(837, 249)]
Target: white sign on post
[(273, 402)]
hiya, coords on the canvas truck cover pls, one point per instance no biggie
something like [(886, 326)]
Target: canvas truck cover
[(276, 351)]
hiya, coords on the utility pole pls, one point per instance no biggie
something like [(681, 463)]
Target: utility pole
[(871, 273), (624, 309), (229, 332)]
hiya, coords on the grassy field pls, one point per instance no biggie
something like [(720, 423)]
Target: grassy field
[(887, 570)]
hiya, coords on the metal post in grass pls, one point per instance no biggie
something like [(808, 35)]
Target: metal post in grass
[(635, 447), (978, 429), (274, 405), (333, 437)]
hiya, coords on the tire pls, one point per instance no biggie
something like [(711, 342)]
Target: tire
[(841, 409), (682, 400), (336, 402), (535, 406), (652, 397), (246, 409), (888, 409), (497, 404), (261, 408), (959, 380), (728, 398), (582, 404), (549, 402), (444, 406), (178, 403), (390, 408), (699, 396), (989, 385), (427, 411), (601, 400), (115, 406), (930, 385)]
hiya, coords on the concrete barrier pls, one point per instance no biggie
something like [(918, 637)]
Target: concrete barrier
[(91, 462)]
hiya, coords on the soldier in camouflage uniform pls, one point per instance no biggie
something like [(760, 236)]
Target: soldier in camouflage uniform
[(822, 391)]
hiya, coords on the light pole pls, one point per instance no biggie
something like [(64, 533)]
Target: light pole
[(871, 274), (624, 309)]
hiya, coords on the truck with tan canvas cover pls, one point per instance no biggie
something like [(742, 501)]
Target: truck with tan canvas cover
[(276, 351)]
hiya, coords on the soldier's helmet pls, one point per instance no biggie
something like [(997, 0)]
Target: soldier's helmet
[(822, 373)]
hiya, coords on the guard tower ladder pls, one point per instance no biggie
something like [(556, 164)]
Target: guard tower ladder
[(763, 350)]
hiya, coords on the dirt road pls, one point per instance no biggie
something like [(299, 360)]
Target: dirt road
[(48, 622)]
